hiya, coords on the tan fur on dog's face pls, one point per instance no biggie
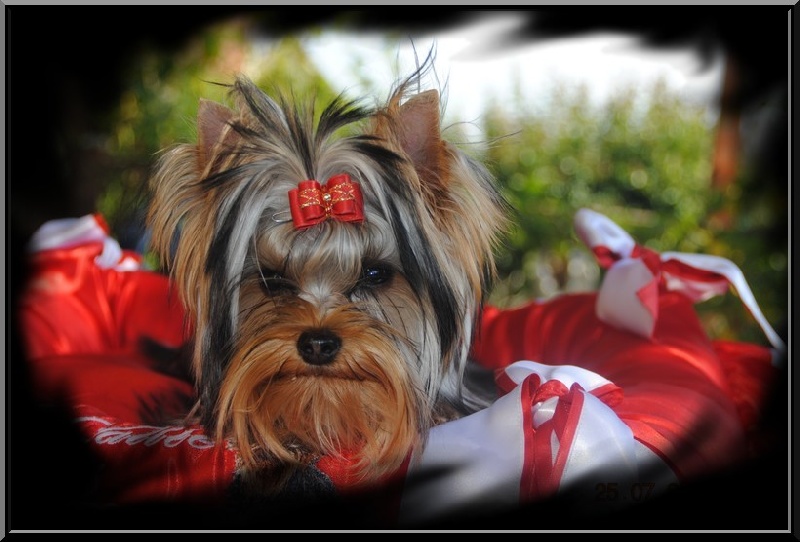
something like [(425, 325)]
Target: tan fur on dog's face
[(340, 338), (362, 401)]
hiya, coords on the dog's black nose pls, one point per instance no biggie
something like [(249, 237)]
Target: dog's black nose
[(318, 346)]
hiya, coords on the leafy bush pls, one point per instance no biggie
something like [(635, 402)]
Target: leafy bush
[(644, 159)]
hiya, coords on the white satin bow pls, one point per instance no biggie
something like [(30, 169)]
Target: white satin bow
[(628, 296)]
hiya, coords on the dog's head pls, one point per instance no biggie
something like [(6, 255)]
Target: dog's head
[(333, 267)]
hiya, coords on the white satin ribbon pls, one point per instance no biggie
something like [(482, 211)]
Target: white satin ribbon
[(477, 463), (702, 291), (66, 233), (619, 299), (566, 374), (600, 447), (472, 462), (72, 232)]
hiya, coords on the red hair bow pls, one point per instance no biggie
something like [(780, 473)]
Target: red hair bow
[(339, 198)]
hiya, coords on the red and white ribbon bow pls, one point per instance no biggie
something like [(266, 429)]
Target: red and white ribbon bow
[(339, 198), (553, 429), (628, 296)]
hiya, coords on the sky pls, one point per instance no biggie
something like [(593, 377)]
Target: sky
[(472, 57)]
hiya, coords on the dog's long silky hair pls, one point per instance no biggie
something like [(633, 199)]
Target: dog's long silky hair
[(219, 222)]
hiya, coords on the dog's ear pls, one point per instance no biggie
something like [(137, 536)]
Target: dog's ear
[(413, 128), (418, 130), (419, 135), (213, 125)]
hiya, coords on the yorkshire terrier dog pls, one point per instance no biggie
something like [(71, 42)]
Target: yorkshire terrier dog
[(333, 269)]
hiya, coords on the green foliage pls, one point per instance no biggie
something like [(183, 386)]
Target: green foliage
[(644, 159), (287, 71), (162, 91), (157, 109)]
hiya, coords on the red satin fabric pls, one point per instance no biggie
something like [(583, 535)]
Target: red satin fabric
[(677, 397), (73, 306), (545, 479), (689, 399), (142, 462), (81, 327)]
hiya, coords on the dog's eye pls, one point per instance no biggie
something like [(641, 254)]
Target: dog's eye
[(373, 275), (273, 283)]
